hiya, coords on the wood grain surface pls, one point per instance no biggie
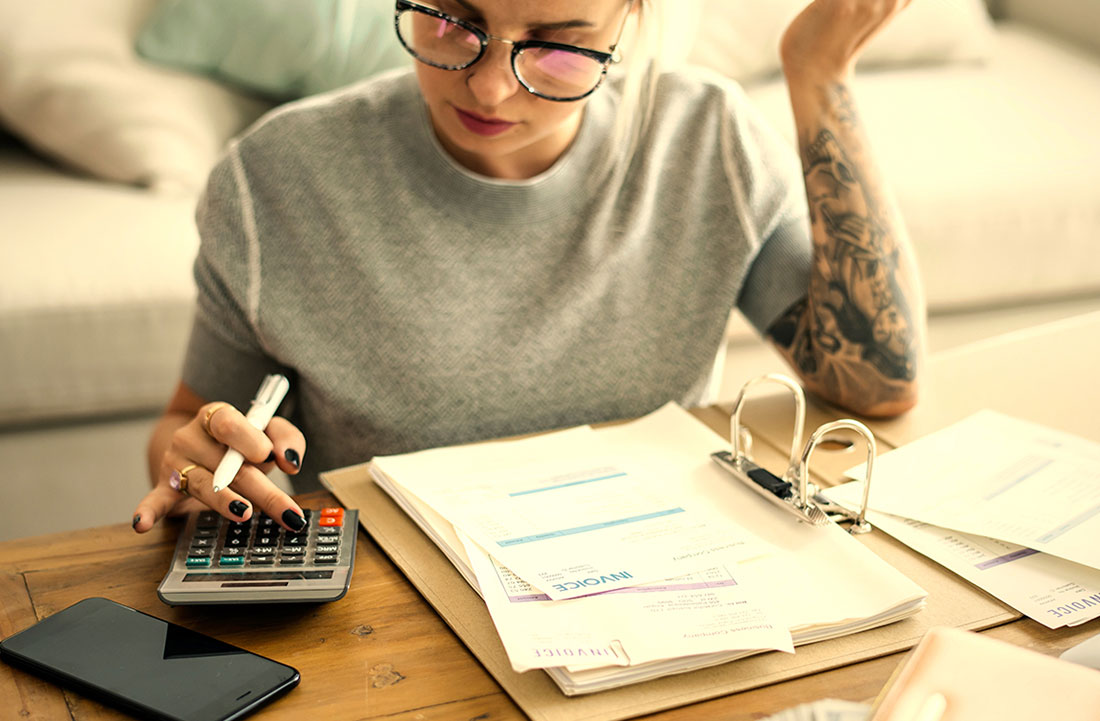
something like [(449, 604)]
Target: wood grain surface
[(380, 653)]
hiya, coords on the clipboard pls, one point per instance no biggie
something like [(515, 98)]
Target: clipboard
[(951, 602)]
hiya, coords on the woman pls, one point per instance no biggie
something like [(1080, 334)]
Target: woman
[(502, 243)]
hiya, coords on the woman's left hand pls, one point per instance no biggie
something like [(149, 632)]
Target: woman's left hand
[(825, 40)]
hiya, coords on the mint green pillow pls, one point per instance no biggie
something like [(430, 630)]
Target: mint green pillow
[(283, 49)]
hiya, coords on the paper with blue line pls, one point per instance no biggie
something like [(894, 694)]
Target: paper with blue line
[(577, 524)]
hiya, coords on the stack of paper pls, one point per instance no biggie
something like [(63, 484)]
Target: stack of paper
[(612, 556), (1009, 505)]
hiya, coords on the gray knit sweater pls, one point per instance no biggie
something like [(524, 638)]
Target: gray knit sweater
[(415, 304)]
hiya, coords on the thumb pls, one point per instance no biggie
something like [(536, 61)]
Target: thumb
[(157, 504)]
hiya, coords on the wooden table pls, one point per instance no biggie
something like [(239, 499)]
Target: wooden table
[(381, 652)]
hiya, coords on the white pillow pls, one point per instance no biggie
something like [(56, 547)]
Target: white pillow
[(72, 87), (740, 38)]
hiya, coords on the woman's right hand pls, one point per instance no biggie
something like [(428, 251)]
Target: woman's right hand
[(195, 448)]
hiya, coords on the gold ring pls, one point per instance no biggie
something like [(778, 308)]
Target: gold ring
[(210, 414), (178, 479)]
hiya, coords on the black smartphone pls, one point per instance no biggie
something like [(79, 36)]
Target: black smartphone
[(146, 666)]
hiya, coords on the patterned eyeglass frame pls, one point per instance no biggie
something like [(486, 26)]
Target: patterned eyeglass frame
[(518, 47)]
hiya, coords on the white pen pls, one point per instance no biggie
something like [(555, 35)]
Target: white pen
[(271, 394)]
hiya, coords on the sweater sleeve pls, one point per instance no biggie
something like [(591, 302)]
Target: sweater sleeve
[(772, 188), (225, 358)]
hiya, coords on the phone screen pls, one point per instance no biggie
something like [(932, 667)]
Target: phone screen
[(143, 663)]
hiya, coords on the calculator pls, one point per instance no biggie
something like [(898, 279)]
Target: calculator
[(218, 560)]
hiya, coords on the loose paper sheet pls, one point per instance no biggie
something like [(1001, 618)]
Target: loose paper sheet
[(997, 476), (1053, 591)]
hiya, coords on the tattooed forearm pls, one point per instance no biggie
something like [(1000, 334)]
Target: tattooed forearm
[(855, 338), (845, 105)]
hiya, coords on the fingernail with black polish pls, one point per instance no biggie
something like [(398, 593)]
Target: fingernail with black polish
[(293, 520), (293, 457), (238, 508), (270, 457), (137, 520)]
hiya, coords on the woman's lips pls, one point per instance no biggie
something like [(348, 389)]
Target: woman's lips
[(482, 125)]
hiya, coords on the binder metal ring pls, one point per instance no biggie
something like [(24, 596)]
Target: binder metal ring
[(793, 491)]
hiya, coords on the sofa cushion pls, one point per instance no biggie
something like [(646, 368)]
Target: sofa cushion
[(995, 167), (72, 86), (97, 295), (284, 49), (740, 38)]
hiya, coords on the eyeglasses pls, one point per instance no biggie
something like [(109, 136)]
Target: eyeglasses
[(554, 71)]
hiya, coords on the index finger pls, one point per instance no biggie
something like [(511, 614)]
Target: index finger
[(228, 426)]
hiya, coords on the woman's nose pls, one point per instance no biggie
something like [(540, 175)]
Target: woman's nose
[(491, 79)]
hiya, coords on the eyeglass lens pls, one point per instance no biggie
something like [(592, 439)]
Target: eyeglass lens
[(552, 72)]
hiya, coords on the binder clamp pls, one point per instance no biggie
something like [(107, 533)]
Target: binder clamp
[(794, 492)]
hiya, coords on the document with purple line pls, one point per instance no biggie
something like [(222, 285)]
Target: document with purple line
[(1051, 590), (712, 611), (997, 476), (578, 525)]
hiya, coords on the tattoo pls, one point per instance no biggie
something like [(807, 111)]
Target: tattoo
[(845, 105), (854, 333)]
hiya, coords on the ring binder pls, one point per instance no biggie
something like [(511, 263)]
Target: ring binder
[(794, 491)]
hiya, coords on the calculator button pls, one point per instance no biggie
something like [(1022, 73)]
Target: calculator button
[(296, 539), (263, 551), (198, 553), (325, 558), (268, 541), (331, 521), (207, 519), (202, 542), (197, 562), (261, 561), (328, 531), (293, 550), (232, 551), (231, 561), (233, 542), (205, 532), (291, 560), (328, 549), (332, 511)]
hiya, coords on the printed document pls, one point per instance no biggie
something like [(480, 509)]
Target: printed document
[(706, 612), (574, 526), (997, 476), (1051, 590), (811, 582)]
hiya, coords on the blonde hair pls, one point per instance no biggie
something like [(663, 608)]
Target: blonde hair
[(643, 48)]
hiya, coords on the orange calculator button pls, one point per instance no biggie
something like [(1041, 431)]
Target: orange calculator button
[(337, 520)]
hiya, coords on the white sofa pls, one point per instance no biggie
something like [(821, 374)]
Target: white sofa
[(996, 165)]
